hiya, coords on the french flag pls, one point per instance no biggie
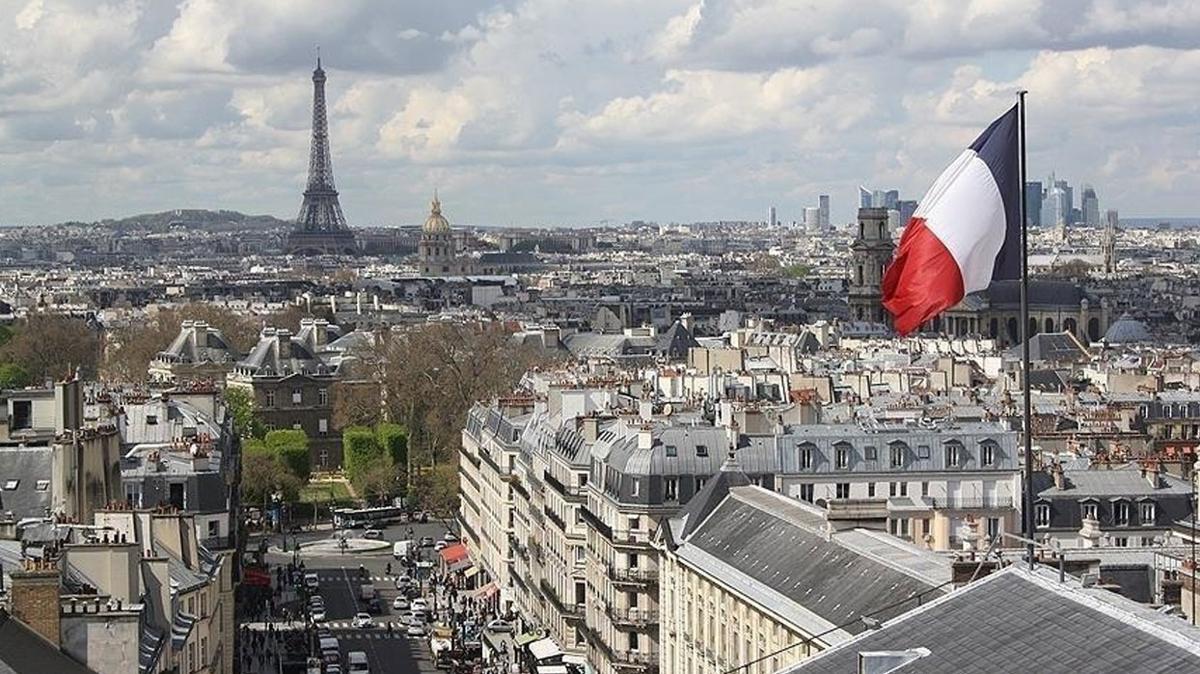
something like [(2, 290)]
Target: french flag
[(965, 233)]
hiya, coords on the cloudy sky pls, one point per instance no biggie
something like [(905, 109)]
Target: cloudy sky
[(565, 112)]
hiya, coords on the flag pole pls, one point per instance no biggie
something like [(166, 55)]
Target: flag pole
[(1030, 528)]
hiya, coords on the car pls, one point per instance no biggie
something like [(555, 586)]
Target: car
[(400, 603), (363, 620), (356, 663), (317, 613), (450, 537), (403, 582), (373, 533), (427, 541), (415, 629), (498, 625), (316, 600), (333, 668), (440, 545), (420, 604), (311, 581)]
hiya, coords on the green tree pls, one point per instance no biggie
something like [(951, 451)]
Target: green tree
[(263, 474), (240, 404), (51, 346), (394, 440), (291, 447), (13, 376), (6, 334), (362, 453)]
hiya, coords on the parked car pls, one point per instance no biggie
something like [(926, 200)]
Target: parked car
[(373, 533), (400, 603), (440, 545), (498, 625), (427, 541), (450, 537), (420, 604), (415, 629), (363, 620), (356, 662)]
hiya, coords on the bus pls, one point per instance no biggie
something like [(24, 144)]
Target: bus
[(353, 518)]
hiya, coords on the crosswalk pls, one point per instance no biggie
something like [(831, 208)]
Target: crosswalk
[(351, 632), (337, 576)]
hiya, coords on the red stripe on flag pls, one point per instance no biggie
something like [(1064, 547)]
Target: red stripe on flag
[(923, 279)]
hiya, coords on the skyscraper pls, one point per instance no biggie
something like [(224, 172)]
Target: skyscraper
[(864, 197), (1068, 197), (823, 204), (772, 219), (1090, 206), (1056, 205), (1033, 203), (906, 207), (321, 228), (891, 200), (1108, 242), (812, 219)]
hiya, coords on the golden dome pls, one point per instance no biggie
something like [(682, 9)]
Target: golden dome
[(436, 223)]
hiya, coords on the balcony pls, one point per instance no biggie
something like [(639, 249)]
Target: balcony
[(562, 526), (569, 493), (971, 502), (632, 618), (568, 611), (636, 660), (595, 523), (535, 549), (637, 577), (474, 460), (519, 548)]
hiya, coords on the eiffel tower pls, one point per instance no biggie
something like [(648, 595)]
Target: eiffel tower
[(321, 228)]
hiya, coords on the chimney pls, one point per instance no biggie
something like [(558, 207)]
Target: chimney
[(550, 338), (35, 596), (688, 322), (645, 437), (1056, 471), (1089, 533), (1150, 472), (589, 427), (646, 410)]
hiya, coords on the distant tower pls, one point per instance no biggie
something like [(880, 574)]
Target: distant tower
[(321, 228), (772, 218), (1108, 242), (870, 254), (1090, 206), (823, 204), (436, 248)]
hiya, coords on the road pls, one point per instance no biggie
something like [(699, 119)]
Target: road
[(340, 586)]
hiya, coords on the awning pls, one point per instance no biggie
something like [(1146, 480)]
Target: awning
[(526, 638), (544, 649), (471, 571), (454, 553), (486, 591)]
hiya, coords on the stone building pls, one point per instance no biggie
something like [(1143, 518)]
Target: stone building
[(199, 353), (870, 254)]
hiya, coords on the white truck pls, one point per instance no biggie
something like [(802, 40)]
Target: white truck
[(403, 549)]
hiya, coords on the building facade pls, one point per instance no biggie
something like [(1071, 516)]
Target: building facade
[(870, 254)]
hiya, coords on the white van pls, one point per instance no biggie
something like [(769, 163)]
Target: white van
[(402, 549), (356, 663)]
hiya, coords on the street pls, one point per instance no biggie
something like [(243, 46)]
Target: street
[(340, 586)]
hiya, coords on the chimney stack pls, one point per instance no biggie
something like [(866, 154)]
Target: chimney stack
[(645, 437), (35, 596)]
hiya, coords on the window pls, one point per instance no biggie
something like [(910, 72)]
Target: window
[(635, 522), (633, 641), (323, 457), (322, 426), (632, 558), (952, 456), (993, 528), (1042, 513), (1089, 511), (1120, 542), (870, 453), (22, 415), (297, 396), (580, 558), (672, 450), (11, 485), (635, 487), (891, 489), (701, 450), (1147, 513), (214, 529), (671, 489), (870, 490), (151, 419), (203, 610), (922, 451), (1121, 513), (700, 483), (269, 399), (897, 456), (322, 397), (806, 457), (203, 649), (925, 489), (843, 490), (843, 457), (987, 455), (806, 492)]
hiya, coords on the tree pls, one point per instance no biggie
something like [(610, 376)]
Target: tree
[(132, 347), (53, 346), (263, 474), (291, 448), (361, 452), (394, 440), (379, 481), (13, 376), (355, 404), (240, 404)]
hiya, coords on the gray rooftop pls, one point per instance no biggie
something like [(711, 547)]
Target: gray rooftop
[(1018, 620), (1124, 481)]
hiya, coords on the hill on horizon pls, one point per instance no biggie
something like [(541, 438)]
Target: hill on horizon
[(198, 218)]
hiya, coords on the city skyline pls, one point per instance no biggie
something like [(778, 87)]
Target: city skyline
[(531, 113)]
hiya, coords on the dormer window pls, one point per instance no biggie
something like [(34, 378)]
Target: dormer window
[(897, 456), (701, 450), (672, 450), (1146, 512), (953, 455), (870, 453), (987, 454), (1089, 510), (842, 455), (806, 457), (151, 419), (1042, 514), (1121, 513)]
